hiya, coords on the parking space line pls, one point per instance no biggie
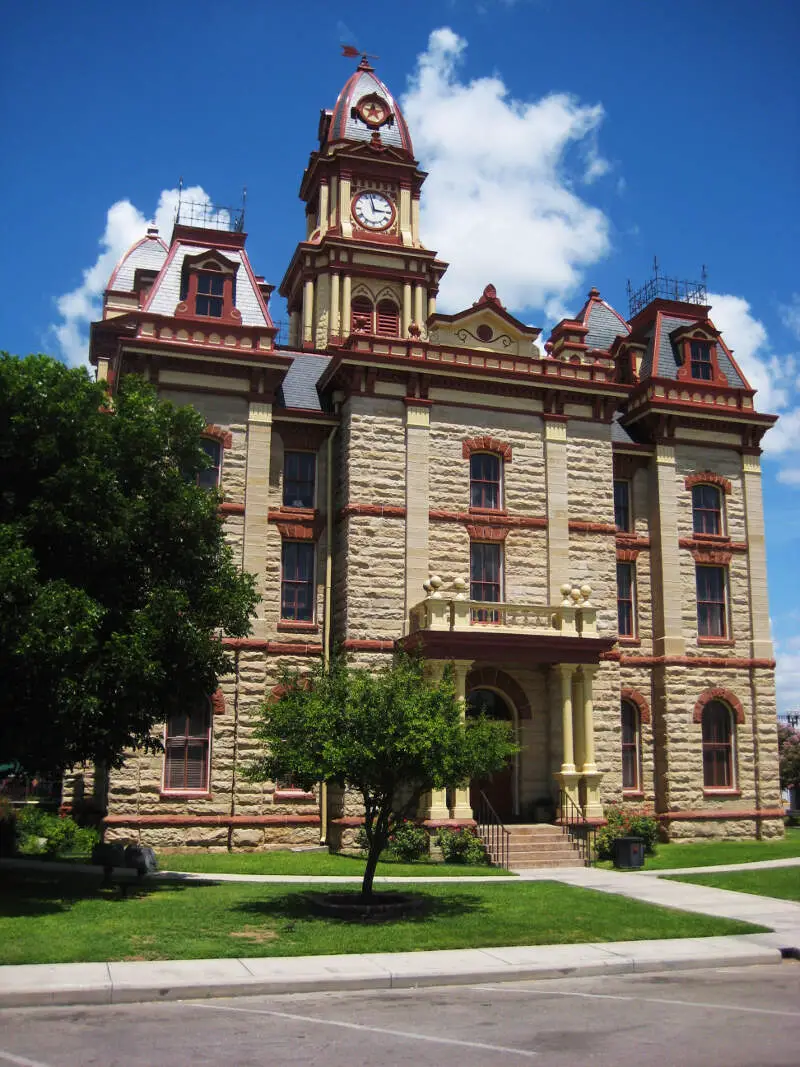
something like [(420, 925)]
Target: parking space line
[(20, 1061), (408, 1035), (643, 1000)]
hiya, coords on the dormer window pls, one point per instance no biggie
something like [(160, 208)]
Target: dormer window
[(209, 300), (697, 354)]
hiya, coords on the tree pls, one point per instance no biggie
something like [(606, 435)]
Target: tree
[(114, 573), (789, 756), (389, 734)]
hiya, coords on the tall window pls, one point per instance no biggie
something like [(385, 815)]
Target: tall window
[(486, 577), (187, 748), (388, 316), (299, 469), (297, 581), (622, 504), (712, 616), (706, 509), (718, 767), (484, 480), (631, 746), (209, 478), (209, 293), (700, 361), (626, 600), (361, 315)]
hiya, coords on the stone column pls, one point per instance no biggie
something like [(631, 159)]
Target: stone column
[(555, 465), (567, 777), (336, 316), (345, 220), (419, 298), (591, 775), (323, 208), (668, 637), (294, 328), (254, 550), (760, 633), (308, 311), (347, 287), (406, 307), (462, 808), (433, 804), (405, 215), (417, 503)]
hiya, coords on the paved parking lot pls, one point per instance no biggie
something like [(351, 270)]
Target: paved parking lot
[(731, 1016)]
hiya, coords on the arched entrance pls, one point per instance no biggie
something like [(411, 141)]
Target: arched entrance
[(498, 787)]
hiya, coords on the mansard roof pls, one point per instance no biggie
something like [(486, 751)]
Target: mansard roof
[(299, 387), (661, 358), (602, 321), (347, 125), (148, 253), (166, 292)]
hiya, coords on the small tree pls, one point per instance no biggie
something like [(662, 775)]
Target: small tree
[(389, 734), (789, 756)]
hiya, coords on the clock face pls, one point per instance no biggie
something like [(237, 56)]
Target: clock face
[(373, 210), (373, 110)]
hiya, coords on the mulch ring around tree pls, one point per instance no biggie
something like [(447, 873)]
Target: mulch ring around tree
[(379, 907)]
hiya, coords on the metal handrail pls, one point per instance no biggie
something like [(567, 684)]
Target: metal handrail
[(577, 827), (492, 832)]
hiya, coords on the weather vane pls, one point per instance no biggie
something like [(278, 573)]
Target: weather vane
[(351, 52)]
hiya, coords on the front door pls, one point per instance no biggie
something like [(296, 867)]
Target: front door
[(498, 788)]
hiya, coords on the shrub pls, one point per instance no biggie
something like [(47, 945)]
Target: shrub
[(409, 842), (461, 846), (7, 827), (40, 832), (626, 822)]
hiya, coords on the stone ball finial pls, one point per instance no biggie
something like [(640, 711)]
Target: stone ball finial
[(586, 590), (575, 594), (565, 589), (459, 585), (426, 585), (435, 583)]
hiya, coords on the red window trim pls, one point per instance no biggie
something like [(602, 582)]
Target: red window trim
[(300, 452), (311, 582), (362, 319), (709, 478), (698, 512), (486, 444), (191, 269), (203, 790), (387, 323), (703, 620), (712, 748), (684, 346), (628, 600), (488, 486), (635, 745)]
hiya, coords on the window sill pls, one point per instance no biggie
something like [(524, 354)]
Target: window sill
[(286, 511), (297, 626), (293, 794), (632, 794), (185, 794), (713, 539), (631, 642), (724, 642), (711, 792), (488, 511)]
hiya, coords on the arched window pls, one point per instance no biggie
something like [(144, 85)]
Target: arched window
[(718, 762), (388, 319), (361, 315), (706, 509), (187, 748), (484, 480), (209, 478), (631, 747)]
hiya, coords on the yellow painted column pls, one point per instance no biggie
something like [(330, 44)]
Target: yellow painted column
[(418, 418), (335, 304), (761, 635), (294, 328), (345, 220), (347, 288), (462, 808), (431, 304), (254, 549), (308, 312), (405, 216), (415, 222), (566, 672), (593, 809), (668, 637), (555, 466), (433, 804), (323, 208), (419, 297), (406, 307), (334, 200)]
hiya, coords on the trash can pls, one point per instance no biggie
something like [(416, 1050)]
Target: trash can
[(629, 852)]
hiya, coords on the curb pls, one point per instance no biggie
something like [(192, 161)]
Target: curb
[(49, 985)]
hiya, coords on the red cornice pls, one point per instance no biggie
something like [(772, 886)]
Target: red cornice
[(230, 508), (488, 519), (708, 478), (719, 694), (579, 526)]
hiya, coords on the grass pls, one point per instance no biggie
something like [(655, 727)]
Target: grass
[(46, 919), (712, 853), (311, 863), (783, 882)]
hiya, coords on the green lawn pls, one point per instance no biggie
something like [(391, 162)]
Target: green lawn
[(712, 853), (783, 882), (45, 919), (313, 863)]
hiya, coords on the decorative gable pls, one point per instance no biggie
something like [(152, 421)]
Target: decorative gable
[(486, 326)]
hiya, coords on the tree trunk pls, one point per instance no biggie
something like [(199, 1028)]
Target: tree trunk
[(380, 836)]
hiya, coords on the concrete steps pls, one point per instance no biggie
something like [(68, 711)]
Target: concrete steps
[(540, 845)]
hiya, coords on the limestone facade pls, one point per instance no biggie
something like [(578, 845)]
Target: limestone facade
[(409, 539)]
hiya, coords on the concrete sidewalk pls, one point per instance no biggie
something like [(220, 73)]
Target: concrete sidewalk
[(128, 982)]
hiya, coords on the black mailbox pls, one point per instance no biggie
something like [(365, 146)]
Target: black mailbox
[(629, 852)]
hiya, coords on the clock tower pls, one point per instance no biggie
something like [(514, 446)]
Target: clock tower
[(361, 268)]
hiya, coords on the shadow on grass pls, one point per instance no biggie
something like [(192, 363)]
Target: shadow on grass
[(300, 906), (31, 893)]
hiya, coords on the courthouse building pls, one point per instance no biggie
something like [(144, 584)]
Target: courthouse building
[(576, 526)]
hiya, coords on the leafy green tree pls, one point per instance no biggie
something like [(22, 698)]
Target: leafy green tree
[(789, 756), (389, 734), (114, 572)]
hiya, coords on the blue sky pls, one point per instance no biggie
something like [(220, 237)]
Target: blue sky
[(568, 142)]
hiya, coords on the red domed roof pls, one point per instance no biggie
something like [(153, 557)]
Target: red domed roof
[(365, 107)]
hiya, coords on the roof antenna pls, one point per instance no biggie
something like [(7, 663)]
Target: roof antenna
[(180, 194)]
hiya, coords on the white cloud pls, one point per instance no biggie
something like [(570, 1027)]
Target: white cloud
[(787, 674), (499, 202), (790, 315), (125, 224), (772, 375)]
